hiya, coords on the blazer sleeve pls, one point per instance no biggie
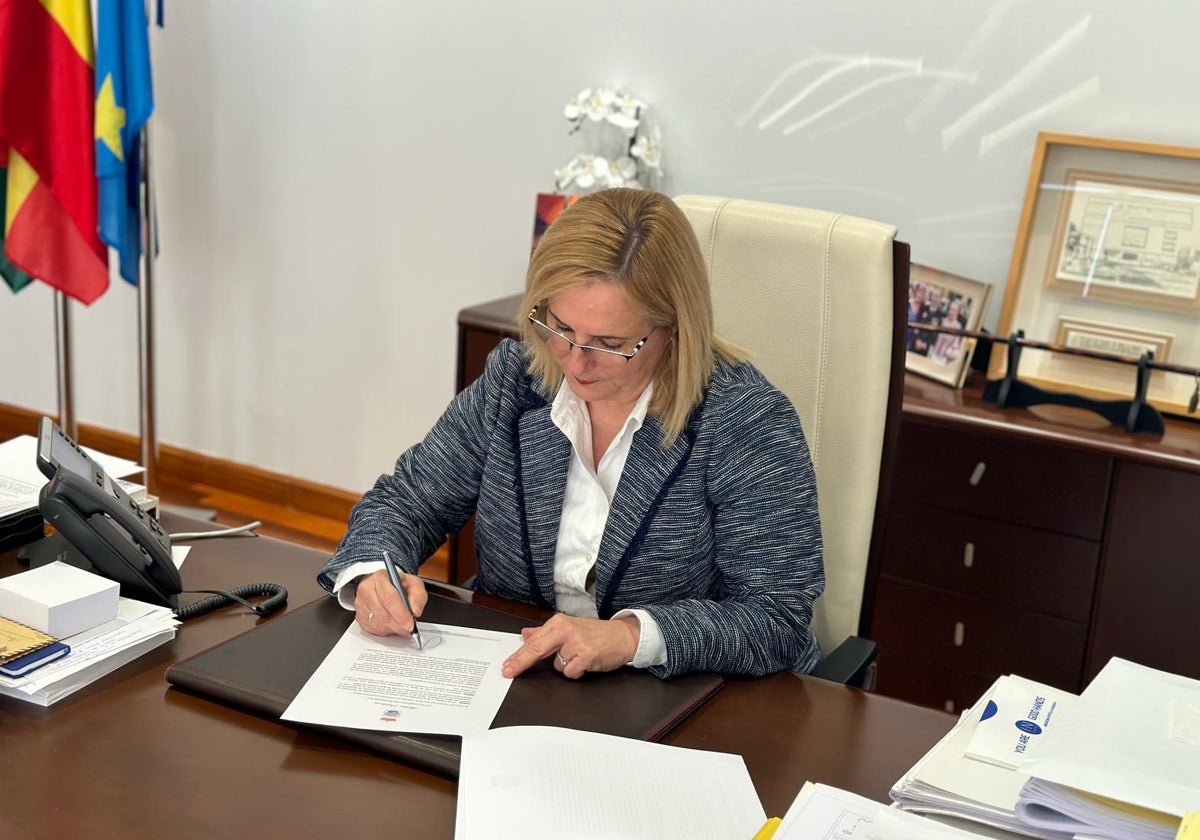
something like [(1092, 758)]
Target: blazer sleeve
[(435, 485), (763, 495)]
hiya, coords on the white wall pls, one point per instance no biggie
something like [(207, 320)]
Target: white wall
[(338, 177)]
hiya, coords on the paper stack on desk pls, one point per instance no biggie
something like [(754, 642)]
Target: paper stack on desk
[(1125, 763), (531, 782), (972, 773), (138, 628), (21, 480)]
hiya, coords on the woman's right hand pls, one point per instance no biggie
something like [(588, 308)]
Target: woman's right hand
[(380, 610)]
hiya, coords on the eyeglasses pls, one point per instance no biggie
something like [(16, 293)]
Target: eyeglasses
[(606, 354)]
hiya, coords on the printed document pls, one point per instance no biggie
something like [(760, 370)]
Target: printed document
[(451, 686), (531, 782)]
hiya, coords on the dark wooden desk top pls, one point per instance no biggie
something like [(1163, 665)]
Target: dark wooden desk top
[(131, 757)]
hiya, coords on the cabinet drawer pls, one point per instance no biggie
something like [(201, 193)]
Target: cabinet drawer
[(1025, 567), (1004, 477), (927, 685), (975, 636)]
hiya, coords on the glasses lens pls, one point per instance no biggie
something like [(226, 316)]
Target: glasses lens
[(560, 345)]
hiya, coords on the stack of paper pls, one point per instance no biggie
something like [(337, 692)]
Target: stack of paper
[(972, 773), (549, 782), (820, 812), (138, 628), (21, 480), (1125, 763)]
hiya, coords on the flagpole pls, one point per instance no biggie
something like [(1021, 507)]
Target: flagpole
[(147, 414), (62, 352)]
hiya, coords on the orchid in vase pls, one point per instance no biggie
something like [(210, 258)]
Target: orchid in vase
[(625, 146)]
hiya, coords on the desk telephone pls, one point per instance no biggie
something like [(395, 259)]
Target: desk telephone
[(97, 516), (121, 541)]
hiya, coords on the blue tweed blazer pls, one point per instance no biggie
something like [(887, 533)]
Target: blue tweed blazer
[(717, 535)]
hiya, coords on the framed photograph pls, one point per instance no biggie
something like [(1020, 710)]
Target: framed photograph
[(940, 299), (1107, 257), (1129, 240), (548, 208)]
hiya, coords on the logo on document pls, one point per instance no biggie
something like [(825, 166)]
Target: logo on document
[(1029, 726), (390, 716)]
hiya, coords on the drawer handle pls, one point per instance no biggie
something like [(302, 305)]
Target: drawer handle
[(977, 474), (960, 632), (969, 555)]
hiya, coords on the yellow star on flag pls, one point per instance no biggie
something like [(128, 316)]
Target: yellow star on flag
[(110, 119)]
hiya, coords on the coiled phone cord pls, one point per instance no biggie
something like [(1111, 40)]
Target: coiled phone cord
[(238, 595)]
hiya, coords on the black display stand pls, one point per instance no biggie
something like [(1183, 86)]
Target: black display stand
[(1135, 415)]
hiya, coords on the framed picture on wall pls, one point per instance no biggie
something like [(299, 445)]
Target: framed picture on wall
[(938, 299), (1107, 257)]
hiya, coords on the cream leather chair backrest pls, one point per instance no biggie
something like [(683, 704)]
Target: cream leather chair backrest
[(808, 294)]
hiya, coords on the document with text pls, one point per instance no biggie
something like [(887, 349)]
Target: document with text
[(451, 686), (532, 782)]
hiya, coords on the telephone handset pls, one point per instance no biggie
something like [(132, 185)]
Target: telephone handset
[(95, 515)]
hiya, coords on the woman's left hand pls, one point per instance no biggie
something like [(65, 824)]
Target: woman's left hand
[(578, 645)]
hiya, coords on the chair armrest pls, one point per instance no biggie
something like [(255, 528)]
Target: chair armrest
[(849, 663)]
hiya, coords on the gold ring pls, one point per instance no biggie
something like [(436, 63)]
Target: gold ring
[(370, 618), (559, 659)]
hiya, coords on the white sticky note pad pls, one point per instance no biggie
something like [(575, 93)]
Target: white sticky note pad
[(59, 599)]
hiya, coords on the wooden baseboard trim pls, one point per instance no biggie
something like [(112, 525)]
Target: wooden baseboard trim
[(197, 468)]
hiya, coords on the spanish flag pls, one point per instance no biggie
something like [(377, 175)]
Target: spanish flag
[(47, 138)]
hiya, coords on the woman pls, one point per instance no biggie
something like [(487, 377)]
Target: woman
[(625, 467)]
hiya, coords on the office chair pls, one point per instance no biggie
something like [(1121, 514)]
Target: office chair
[(818, 300)]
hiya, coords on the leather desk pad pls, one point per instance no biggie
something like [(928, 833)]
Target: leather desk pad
[(263, 669)]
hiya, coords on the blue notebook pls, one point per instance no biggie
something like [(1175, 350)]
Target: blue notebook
[(22, 665)]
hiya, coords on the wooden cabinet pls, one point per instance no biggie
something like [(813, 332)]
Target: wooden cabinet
[(1036, 545), (992, 549), (1145, 608), (480, 329)]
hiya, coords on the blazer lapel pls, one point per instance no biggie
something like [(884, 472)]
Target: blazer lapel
[(545, 456), (648, 469)]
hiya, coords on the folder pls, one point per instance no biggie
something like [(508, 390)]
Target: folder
[(262, 670)]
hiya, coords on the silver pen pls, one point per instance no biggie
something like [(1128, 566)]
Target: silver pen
[(395, 576)]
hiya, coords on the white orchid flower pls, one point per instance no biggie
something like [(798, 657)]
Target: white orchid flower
[(648, 148), (626, 122), (629, 104), (624, 168), (640, 159), (575, 105), (600, 104), (593, 170)]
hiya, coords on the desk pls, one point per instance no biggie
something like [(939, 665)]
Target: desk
[(130, 757)]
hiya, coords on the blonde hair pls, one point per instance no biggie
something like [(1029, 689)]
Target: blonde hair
[(641, 241)]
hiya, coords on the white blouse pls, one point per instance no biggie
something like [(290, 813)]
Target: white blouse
[(586, 504)]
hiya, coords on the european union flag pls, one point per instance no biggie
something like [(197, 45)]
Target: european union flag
[(124, 101)]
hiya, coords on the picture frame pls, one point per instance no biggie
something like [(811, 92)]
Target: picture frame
[(938, 298), (1107, 257), (547, 208)]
